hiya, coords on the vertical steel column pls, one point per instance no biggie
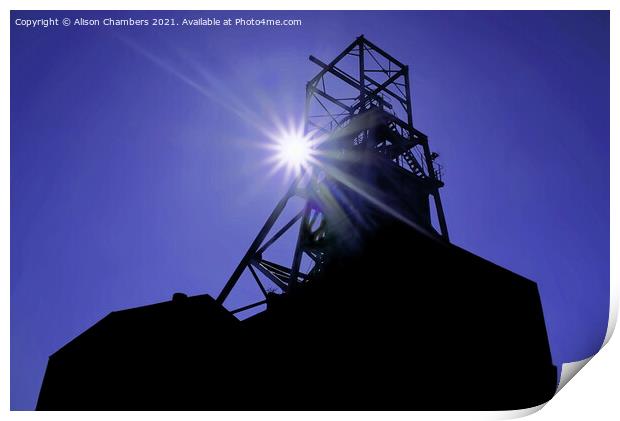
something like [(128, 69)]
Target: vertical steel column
[(438, 206), (360, 41), (429, 162), (301, 239), (408, 97)]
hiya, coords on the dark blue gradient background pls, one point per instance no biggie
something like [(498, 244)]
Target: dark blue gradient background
[(135, 170)]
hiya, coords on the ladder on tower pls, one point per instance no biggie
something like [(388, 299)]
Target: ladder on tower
[(414, 164)]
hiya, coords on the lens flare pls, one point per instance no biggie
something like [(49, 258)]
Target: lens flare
[(294, 151)]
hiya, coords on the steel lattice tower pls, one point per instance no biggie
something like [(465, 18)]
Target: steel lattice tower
[(378, 310), (357, 106)]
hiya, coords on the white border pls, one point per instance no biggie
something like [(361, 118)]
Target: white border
[(592, 396)]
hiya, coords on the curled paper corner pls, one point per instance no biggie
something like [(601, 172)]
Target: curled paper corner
[(517, 413), (613, 312), (569, 370)]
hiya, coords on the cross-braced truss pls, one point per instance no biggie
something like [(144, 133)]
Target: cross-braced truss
[(363, 83)]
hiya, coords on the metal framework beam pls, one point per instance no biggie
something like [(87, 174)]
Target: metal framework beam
[(249, 255), (389, 82)]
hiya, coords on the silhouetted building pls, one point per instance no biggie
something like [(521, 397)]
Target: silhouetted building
[(391, 315)]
